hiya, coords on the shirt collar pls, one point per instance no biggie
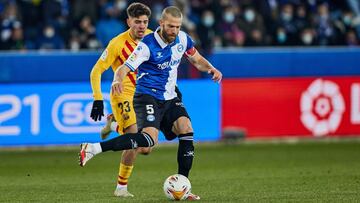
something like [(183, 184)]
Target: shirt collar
[(161, 41), (158, 39)]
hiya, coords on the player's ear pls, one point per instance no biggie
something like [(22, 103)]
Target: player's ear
[(128, 22), (161, 22)]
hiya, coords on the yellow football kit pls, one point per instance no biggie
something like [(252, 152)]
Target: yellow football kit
[(115, 54)]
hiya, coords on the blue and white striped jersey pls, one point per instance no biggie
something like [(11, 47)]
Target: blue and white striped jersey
[(157, 64)]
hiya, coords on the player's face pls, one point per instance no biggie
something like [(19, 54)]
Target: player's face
[(138, 26), (170, 27)]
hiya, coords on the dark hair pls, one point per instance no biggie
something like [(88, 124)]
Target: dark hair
[(136, 10)]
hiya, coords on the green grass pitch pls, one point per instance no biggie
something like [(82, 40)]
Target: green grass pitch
[(265, 172)]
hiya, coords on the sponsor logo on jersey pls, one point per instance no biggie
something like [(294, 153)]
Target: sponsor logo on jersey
[(168, 63)]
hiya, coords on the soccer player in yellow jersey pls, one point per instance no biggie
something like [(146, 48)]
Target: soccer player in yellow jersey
[(115, 54)]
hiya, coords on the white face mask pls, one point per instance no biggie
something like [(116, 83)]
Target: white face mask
[(249, 15), (287, 17), (49, 32), (121, 5), (208, 21), (229, 17), (307, 38), (74, 46)]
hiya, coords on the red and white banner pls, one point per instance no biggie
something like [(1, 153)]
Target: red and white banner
[(279, 107)]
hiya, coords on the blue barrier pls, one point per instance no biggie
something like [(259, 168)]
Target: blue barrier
[(48, 66), (58, 113), (234, 63)]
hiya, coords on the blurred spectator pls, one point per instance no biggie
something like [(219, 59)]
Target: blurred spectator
[(327, 34), (228, 27), (302, 19), (282, 38), (287, 23), (269, 10), (355, 7), (17, 41), (351, 38), (90, 24), (308, 37), (87, 34), (32, 13), (49, 39), (252, 25), (108, 25), (207, 31), (80, 8), (10, 19)]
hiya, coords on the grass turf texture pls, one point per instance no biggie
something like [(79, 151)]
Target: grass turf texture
[(304, 172)]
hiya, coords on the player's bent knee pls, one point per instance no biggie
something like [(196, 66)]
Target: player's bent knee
[(144, 150), (182, 126)]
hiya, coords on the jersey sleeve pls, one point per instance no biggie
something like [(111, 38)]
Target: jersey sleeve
[(138, 56), (103, 63), (190, 46)]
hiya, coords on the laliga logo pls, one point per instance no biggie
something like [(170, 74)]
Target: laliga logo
[(322, 107)]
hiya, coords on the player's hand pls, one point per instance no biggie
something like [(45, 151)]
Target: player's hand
[(216, 74), (97, 110), (116, 88)]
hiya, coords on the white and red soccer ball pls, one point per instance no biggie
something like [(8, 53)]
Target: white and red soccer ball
[(177, 187)]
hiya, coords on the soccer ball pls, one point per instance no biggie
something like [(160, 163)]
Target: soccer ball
[(177, 187)]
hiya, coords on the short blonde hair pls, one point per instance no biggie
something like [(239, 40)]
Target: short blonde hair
[(173, 11)]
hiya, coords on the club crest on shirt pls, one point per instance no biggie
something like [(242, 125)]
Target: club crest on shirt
[(150, 118), (104, 55), (180, 48)]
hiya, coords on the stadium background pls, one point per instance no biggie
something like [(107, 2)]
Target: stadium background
[(291, 72), (309, 88)]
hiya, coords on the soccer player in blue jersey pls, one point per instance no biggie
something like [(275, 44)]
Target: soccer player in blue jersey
[(156, 104)]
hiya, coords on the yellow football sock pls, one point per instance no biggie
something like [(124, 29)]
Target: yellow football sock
[(124, 174)]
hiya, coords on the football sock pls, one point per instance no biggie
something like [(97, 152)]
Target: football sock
[(124, 174), (114, 127), (96, 148), (185, 153), (128, 141)]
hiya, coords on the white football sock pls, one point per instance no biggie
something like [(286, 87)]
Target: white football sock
[(113, 126), (96, 148), (121, 187)]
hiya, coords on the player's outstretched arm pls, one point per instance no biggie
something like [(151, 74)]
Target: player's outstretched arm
[(203, 65), (116, 86)]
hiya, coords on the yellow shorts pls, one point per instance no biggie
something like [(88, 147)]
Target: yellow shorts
[(123, 110)]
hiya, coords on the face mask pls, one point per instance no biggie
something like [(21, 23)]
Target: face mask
[(347, 20), (208, 21), (229, 17), (286, 17), (74, 46), (121, 5), (249, 15), (307, 38), (49, 32), (281, 37)]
